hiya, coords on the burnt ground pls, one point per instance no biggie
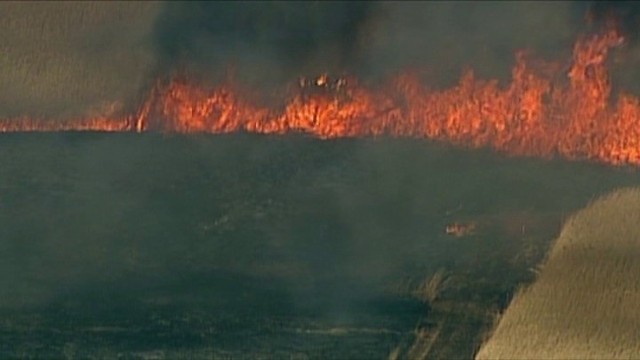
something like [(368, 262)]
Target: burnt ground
[(246, 246)]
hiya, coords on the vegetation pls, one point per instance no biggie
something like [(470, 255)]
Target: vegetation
[(584, 304), (246, 246)]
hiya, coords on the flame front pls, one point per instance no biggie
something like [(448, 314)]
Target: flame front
[(543, 111)]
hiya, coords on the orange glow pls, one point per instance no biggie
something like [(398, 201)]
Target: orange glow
[(461, 229), (542, 112)]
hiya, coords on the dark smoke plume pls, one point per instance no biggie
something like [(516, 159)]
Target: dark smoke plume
[(626, 14), (65, 59), (270, 43), (264, 42)]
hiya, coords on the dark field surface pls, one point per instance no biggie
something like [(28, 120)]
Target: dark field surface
[(242, 246)]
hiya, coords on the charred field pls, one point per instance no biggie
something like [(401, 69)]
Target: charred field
[(247, 246)]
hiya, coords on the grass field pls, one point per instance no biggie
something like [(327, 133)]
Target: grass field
[(249, 246), (584, 304)]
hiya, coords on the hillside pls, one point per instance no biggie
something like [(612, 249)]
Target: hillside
[(584, 304)]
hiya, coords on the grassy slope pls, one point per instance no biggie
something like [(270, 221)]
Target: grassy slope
[(66, 58), (585, 302)]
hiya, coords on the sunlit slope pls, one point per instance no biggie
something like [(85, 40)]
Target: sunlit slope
[(67, 58), (586, 301)]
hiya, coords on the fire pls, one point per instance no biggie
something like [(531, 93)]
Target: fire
[(544, 111), (461, 229)]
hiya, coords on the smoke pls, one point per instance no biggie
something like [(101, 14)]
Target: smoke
[(626, 14), (263, 43), (271, 43), (444, 38), (110, 214), (626, 17), (67, 59)]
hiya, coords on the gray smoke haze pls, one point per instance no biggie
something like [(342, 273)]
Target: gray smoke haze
[(62, 59), (67, 58), (264, 42), (274, 41), (446, 37)]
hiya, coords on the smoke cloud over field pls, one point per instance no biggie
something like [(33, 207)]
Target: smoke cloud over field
[(263, 41), (277, 41), (64, 59)]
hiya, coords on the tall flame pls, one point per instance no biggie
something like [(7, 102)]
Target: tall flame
[(543, 111)]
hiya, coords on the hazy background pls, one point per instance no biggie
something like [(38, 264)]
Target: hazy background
[(61, 59), (67, 58)]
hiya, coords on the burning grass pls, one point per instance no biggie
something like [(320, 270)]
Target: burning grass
[(564, 108), (584, 304)]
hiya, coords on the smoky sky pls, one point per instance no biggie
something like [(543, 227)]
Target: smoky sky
[(217, 34), (266, 42), (626, 13), (66, 59)]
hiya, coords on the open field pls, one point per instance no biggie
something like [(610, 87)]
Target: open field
[(584, 304), (244, 246)]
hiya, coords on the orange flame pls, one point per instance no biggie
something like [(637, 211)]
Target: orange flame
[(541, 112)]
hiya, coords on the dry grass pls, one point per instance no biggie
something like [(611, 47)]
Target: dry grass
[(430, 289), (66, 58), (585, 303)]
